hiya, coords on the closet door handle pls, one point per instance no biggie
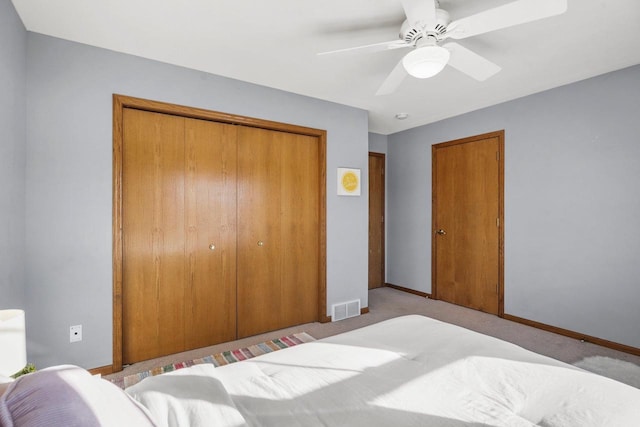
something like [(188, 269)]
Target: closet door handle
[(212, 247), (260, 243)]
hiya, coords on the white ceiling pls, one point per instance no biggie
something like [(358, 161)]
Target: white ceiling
[(274, 43)]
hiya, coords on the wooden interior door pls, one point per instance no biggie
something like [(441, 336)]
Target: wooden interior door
[(278, 239), (153, 211), (376, 220), (467, 222), (179, 234)]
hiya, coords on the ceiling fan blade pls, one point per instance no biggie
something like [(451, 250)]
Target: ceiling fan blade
[(393, 80), (470, 63), (420, 13), (376, 47), (508, 15)]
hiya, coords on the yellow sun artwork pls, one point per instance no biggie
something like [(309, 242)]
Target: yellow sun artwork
[(348, 182)]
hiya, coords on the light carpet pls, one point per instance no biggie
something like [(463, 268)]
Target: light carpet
[(619, 370), (220, 359)]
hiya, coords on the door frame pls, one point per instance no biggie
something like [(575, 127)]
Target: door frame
[(384, 211), (120, 102), (500, 136)]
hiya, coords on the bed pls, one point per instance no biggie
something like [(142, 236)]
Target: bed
[(407, 371)]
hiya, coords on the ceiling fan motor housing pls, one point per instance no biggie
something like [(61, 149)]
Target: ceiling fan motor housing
[(411, 33)]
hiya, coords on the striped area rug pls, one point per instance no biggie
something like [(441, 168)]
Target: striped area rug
[(220, 359)]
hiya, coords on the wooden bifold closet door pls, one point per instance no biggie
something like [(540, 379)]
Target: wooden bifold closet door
[(220, 232), (178, 200), (278, 204)]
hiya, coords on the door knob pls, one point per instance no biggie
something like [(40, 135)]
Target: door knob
[(212, 246), (441, 232), (260, 243)]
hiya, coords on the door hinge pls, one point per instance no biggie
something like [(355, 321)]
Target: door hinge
[(382, 220), (497, 155), (498, 222), (497, 289)]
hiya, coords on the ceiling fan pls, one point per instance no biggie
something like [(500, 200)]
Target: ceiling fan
[(427, 26)]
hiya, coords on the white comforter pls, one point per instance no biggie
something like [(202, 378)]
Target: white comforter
[(408, 371)]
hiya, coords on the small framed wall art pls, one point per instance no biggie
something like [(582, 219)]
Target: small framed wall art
[(348, 182)]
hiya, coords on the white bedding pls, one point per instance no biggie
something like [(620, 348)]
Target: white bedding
[(406, 371)]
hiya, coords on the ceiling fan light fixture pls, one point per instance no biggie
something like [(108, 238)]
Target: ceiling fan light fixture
[(425, 62)]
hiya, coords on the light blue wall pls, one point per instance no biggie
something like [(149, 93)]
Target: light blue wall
[(572, 204), (13, 48), (377, 143), (69, 187)]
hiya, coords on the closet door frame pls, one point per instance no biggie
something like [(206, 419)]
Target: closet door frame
[(120, 102)]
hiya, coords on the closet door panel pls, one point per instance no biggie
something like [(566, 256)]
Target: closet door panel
[(153, 235), (300, 237), (210, 277), (278, 205), (259, 267)]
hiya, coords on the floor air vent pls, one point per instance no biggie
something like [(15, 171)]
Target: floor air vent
[(345, 310)]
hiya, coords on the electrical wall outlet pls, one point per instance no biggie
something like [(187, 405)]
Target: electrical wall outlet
[(75, 333)]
